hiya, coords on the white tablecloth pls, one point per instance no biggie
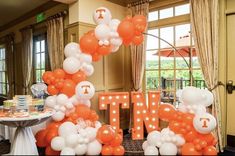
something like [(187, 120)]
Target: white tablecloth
[(24, 141)]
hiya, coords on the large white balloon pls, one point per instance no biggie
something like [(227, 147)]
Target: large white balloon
[(85, 58), (168, 149), (91, 133), (179, 140), (50, 101), (71, 65), (62, 99), (153, 137), (71, 140), (116, 41), (102, 32), (113, 24), (204, 123), (94, 148), (58, 116), (207, 97), (88, 69), (85, 90), (145, 145), (67, 151), (71, 49), (102, 15), (57, 143), (191, 95), (151, 150), (67, 128), (81, 149)]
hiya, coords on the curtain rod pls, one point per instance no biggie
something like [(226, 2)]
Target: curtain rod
[(57, 15)]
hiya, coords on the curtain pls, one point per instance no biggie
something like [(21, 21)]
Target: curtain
[(55, 42), (27, 58), (205, 27)]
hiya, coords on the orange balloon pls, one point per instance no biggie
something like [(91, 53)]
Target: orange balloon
[(68, 88), (89, 44), (140, 22), (91, 33), (104, 50), (51, 134), (188, 118), (105, 134), (68, 76), (46, 76), (59, 73), (93, 116), (59, 83), (166, 112), (52, 90), (74, 116), (79, 76), (126, 42), (126, 29), (83, 111), (190, 136), (118, 150), (41, 138), (96, 57), (50, 151), (210, 150), (128, 18), (137, 40), (174, 126), (117, 141), (107, 150), (189, 149), (53, 125), (209, 138)]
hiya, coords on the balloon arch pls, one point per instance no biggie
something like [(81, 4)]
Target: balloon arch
[(75, 129)]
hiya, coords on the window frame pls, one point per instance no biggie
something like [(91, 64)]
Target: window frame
[(5, 71)]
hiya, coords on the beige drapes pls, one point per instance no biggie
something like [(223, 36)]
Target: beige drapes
[(138, 52), (9, 43), (205, 26), (55, 42), (27, 58)]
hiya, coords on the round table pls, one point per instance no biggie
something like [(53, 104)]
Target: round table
[(24, 140)]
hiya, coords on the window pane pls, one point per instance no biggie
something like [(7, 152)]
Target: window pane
[(1, 88), (167, 62), (1, 77), (182, 9), (165, 13), (153, 16), (197, 75), (198, 79), (152, 79), (167, 79), (152, 60), (181, 63), (37, 46), (3, 53), (43, 60), (182, 35), (38, 75), (4, 77), (38, 61), (42, 45), (166, 34), (1, 65), (152, 42), (4, 89), (195, 62)]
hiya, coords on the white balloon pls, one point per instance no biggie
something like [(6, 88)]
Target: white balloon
[(113, 24), (71, 140), (102, 32), (61, 99), (58, 116), (98, 125), (151, 150), (144, 145), (153, 137), (67, 128), (50, 101), (114, 49), (200, 109), (159, 144), (116, 41), (94, 148), (165, 131), (67, 151), (81, 149), (88, 69), (102, 15), (207, 97), (85, 58), (71, 65), (62, 109), (85, 90), (74, 100), (91, 133), (84, 102), (191, 95), (57, 107), (204, 123), (71, 49), (57, 143), (179, 140), (69, 105), (182, 108), (168, 149)]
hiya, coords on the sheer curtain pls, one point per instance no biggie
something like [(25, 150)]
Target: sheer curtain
[(27, 58), (205, 27), (55, 42)]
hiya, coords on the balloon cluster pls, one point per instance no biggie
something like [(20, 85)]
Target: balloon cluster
[(112, 141), (194, 125), (167, 141)]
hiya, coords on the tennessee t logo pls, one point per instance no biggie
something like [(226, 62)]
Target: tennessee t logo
[(85, 86), (204, 122), (100, 11)]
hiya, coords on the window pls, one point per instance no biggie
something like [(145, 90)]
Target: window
[(3, 77), (39, 48), (167, 69)]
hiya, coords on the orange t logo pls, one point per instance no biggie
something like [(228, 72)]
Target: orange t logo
[(85, 86), (100, 11), (204, 122)]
